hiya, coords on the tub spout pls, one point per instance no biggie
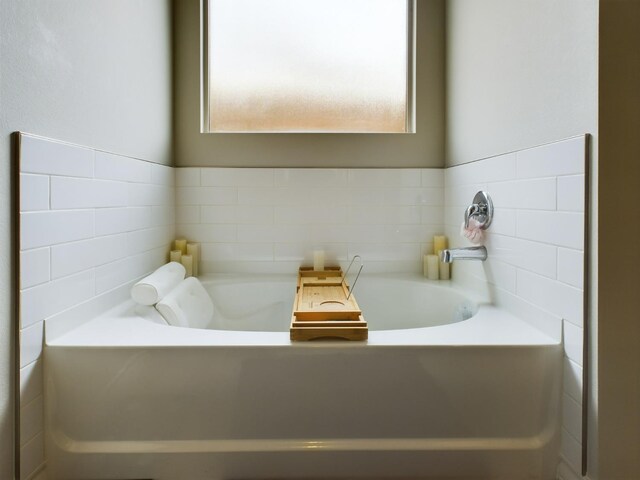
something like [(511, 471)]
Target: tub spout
[(469, 253)]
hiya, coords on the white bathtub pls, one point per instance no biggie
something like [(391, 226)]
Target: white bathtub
[(129, 397)]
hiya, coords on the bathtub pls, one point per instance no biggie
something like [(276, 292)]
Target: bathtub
[(445, 387)]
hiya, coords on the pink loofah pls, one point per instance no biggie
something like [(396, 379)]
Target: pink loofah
[(473, 233)]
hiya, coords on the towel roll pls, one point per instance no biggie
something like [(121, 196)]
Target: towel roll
[(152, 288), (187, 305)]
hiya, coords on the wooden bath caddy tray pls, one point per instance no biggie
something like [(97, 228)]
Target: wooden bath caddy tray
[(323, 308)]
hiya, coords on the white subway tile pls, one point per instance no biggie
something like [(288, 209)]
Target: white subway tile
[(310, 215), (432, 177), (218, 252), (572, 379), (147, 195), (39, 155), (396, 196), (386, 252), (571, 450), (254, 252), (557, 228), (206, 195), (117, 273), (125, 169), (30, 382), (534, 194), (310, 177), (562, 158), (76, 193), (34, 192), (386, 177), (162, 175), (429, 216), (188, 214), (236, 177), (382, 214), (210, 233), (70, 258), (494, 169), (187, 177), (31, 343), (573, 342), (571, 193), (273, 233), (144, 240), (242, 214), (163, 215), (39, 229), (31, 457), (139, 218), (572, 416), (31, 420), (503, 222), (34, 267), (38, 303), (113, 220), (501, 275), (303, 252), (462, 196), (560, 299), (531, 256), (571, 267)]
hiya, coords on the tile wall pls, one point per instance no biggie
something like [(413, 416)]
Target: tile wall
[(271, 220), (91, 223), (536, 251)]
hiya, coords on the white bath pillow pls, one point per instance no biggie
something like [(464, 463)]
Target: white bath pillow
[(152, 288), (187, 305)]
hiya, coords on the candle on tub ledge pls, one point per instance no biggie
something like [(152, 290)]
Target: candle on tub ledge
[(445, 272), (175, 256), (187, 263), (181, 244), (439, 243), (433, 266), (193, 249), (318, 260)]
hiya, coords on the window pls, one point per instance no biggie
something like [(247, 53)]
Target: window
[(309, 66)]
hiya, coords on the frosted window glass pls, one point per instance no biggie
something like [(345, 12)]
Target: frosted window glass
[(308, 65)]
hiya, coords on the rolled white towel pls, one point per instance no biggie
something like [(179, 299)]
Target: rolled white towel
[(187, 305), (152, 288)]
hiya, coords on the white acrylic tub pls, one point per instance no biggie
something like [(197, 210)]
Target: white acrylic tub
[(128, 397)]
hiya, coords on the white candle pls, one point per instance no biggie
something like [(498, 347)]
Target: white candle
[(193, 249), (318, 260), (175, 255), (439, 243), (445, 271), (181, 244), (425, 265), (187, 263), (433, 267)]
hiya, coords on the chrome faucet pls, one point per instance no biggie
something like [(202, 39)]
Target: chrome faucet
[(469, 253)]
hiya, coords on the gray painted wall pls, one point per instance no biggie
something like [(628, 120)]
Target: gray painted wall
[(93, 73), (519, 74), (422, 149)]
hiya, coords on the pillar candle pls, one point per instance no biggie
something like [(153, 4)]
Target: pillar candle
[(425, 265), (433, 267), (445, 271), (439, 243), (181, 244), (174, 255), (318, 260), (187, 263), (193, 249)]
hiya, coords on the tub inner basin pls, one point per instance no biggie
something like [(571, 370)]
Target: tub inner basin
[(387, 302)]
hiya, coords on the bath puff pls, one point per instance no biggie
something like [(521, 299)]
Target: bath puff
[(473, 232), (187, 305)]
